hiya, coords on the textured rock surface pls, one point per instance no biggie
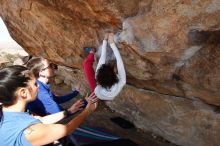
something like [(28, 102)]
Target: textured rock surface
[(193, 122), (170, 47)]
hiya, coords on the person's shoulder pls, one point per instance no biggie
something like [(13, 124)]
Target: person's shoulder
[(24, 118), (96, 90), (42, 93)]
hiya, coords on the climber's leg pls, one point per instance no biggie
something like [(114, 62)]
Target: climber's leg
[(89, 71)]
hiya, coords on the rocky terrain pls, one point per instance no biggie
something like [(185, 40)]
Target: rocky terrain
[(170, 49)]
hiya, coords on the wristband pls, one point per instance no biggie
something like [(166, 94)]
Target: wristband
[(84, 103), (67, 113)]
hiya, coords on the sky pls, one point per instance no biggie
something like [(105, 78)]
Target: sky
[(5, 39), (4, 35)]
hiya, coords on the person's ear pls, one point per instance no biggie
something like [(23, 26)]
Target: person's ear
[(22, 92), (41, 72)]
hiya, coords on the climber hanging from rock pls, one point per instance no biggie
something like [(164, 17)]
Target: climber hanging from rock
[(105, 82)]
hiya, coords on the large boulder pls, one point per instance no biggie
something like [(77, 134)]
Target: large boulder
[(170, 49), (182, 121)]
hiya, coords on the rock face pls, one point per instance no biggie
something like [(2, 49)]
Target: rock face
[(170, 47), (180, 120)]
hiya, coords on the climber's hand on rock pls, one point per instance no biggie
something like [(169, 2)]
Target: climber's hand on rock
[(111, 38), (106, 36)]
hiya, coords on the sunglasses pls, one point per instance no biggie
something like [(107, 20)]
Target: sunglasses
[(51, 65)]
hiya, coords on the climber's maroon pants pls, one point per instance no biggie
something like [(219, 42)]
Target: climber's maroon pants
[(89, 71)]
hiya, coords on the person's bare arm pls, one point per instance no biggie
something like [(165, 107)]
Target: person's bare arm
[(53, 118), (41, 134)]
